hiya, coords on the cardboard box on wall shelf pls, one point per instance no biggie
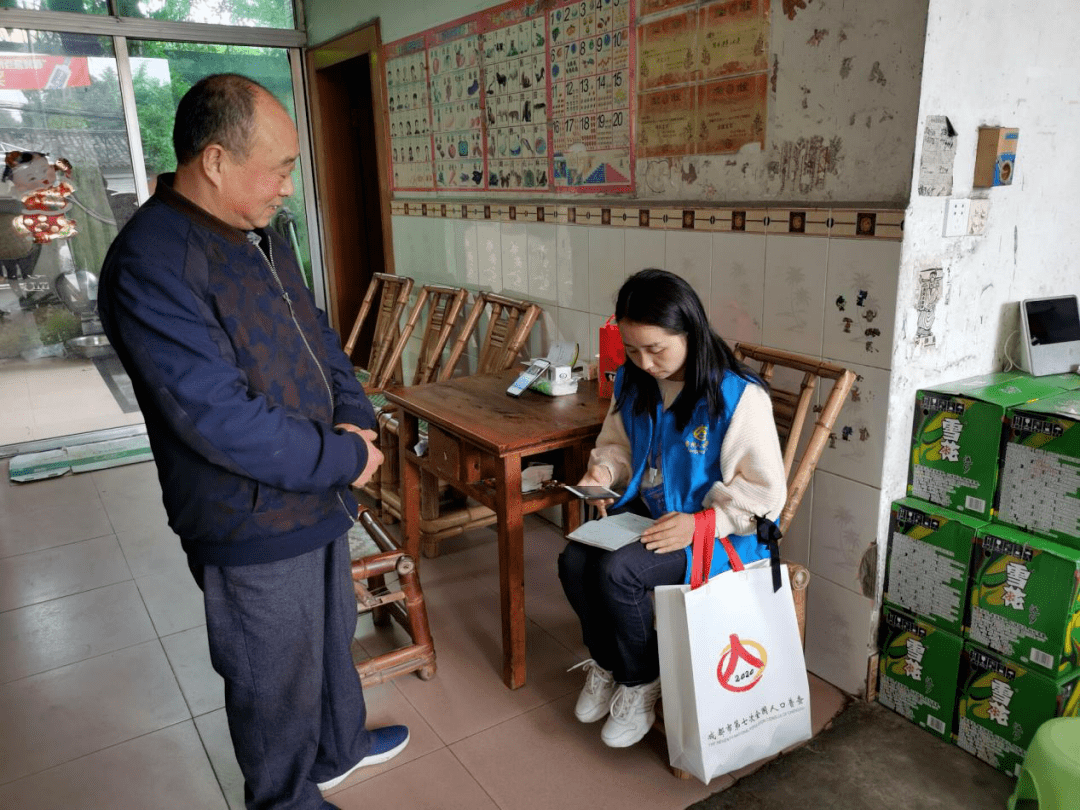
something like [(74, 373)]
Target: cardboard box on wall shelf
[(928, 565), (956, 437), (1039, 489), (995, 157), (917, 670)]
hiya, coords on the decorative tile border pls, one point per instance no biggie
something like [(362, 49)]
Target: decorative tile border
[(844, 223)]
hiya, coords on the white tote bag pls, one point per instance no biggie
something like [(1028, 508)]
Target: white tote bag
[(732, 673)]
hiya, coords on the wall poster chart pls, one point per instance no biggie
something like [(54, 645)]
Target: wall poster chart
[(525, 97), (703, 76)]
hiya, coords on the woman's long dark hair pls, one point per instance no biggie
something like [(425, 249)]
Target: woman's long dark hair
[(658, 298)]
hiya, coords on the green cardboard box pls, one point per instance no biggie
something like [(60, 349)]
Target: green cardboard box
[(917, 670), (1025, 599), (927, 570), (956, 437), (1002, 704), (1039, 490)]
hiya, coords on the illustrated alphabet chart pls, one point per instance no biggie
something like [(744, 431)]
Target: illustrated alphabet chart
[(524, 97)]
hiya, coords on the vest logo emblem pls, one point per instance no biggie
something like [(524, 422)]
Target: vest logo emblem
[(698, 442)]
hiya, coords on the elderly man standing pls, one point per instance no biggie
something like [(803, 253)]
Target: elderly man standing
[(258, 427)]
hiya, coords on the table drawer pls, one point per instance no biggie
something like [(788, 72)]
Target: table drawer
[(452, 458)]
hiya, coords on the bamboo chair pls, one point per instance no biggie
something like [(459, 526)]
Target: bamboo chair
[(392, 293), (791, 407), (445, 513), (443, 306), (405, 606)]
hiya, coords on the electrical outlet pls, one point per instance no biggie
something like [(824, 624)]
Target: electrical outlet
[(956, 217)]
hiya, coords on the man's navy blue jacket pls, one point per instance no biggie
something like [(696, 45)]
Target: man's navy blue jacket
[(240, 380)]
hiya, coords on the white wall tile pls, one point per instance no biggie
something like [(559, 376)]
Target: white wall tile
[(837, 634), (606, 268), (689, 255), (515, 258), (856, 450), (860, 301), (574, 326), (462, 250), (794, 293), (572, 266), (543, 274), (544, 333), (644, 248), (842, 527), (489, 256), (738, 286)]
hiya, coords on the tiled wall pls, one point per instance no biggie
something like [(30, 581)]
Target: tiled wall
[(817, 281)]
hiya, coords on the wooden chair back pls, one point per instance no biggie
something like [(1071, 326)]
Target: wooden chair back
[(508, 325), (386, 297), (791, 407), (444, 305)]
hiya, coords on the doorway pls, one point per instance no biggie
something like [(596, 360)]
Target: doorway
[(348, 122)]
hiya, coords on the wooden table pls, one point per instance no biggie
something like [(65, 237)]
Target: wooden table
[(477, 438)]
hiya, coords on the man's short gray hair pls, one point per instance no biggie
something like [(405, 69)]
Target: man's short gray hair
[(217, 109)]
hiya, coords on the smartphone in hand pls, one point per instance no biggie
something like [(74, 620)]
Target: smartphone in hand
[(592, 493)]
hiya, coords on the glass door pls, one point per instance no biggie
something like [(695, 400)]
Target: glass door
[(67, 188)]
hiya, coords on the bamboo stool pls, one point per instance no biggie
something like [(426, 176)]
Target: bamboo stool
[(405, 606)]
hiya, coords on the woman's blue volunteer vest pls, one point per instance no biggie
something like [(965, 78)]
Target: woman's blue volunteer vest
[(689, 460)]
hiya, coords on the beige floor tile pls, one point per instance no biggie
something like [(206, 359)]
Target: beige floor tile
[(467, 693), (49, 513), (385, 706), (63, 631), (18, 429), (173, 600), (26, 579), (69, 712), (152, 549), (546, 758), (131, 495), (189, 655), (165, 770), (436, 781), (826, 701), (214, 733)]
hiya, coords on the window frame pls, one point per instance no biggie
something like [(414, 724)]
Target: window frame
[(120, 29)]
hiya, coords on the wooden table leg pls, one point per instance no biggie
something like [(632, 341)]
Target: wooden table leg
[(511, 569), (408, 430)]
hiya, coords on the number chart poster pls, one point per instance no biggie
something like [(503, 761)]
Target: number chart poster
[(525, 97), (703, 77)]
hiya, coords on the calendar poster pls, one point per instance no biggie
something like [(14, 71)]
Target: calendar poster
[(591, 57), (731, 38), (668, 119), (731, 113), (409, 113), (668, 51)]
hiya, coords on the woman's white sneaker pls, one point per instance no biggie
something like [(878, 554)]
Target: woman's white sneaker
[(633, 712), (595, 697)]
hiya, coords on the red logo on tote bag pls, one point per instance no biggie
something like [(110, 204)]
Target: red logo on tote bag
[(740, 668)]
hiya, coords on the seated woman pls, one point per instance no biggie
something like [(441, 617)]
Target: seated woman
[(689, 429)]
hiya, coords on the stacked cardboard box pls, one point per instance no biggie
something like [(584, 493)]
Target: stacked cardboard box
[(982, 583)]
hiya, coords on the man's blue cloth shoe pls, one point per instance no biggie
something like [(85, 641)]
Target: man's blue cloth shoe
[(386, 743)]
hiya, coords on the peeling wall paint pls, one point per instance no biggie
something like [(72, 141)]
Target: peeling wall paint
[(1026, 246), (844, 74)]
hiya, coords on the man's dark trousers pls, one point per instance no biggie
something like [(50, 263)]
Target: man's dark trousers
[(280, 636)]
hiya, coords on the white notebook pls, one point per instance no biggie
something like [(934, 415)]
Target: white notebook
[(612, 532)]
